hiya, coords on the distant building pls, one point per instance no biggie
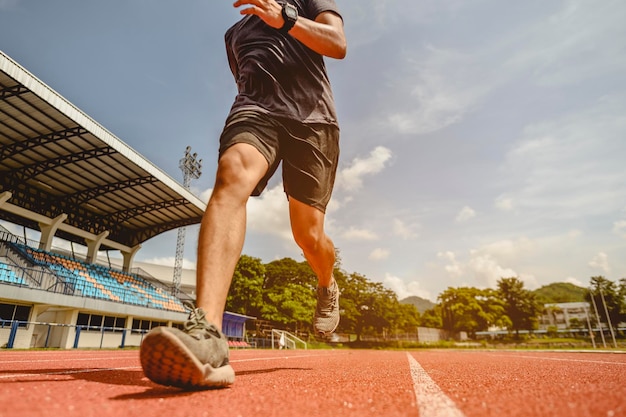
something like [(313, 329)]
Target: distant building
[(560, 315)]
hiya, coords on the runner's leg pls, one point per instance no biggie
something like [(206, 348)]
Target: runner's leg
[(223, 227), (307, 225)]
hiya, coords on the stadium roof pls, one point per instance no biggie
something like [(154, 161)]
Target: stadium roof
[(56, 161)]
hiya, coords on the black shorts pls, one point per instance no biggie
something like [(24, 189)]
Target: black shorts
[(309, 153)]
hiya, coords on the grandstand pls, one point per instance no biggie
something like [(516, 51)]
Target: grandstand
[(67, 177)]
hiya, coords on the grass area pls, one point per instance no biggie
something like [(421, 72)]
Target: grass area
[(529, 343)]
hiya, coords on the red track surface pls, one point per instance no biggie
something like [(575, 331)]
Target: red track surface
[(323, 383)]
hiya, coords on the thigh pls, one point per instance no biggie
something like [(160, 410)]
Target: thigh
[(240, 168), (258, 131)]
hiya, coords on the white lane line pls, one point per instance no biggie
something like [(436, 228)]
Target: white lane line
[(65, 372), (291, 356), (546, 358), (431, 401), (68, 359)]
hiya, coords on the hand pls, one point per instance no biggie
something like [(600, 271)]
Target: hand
[(268, 10)]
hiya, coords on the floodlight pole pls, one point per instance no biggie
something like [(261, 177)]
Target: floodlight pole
[(192, 168)]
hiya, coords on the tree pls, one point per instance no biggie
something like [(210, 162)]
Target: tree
[(245, 295), (520, 305), (290, 305), (289, 294), (369, 307), (469, 309), (408, 318), (432, 318), (283, 292), (356, 301), (621, 293), (286, 270)]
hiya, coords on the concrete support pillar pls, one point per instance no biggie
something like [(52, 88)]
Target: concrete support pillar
[(4, 197), (93, 245), (128, 257), (48, 230)]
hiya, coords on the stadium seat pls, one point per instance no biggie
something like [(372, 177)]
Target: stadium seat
[(98, 281)]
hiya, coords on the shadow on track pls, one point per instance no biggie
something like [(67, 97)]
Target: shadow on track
[(157, 391)]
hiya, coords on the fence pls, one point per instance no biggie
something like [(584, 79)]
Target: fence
[(51, 335), (284, 340)]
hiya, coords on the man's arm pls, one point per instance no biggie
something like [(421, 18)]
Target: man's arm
[(323, 35)]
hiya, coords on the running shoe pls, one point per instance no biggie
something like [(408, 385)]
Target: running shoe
[(194, 358), (326, 317)]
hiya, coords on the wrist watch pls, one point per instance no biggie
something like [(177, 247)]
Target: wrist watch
[(290, 15)]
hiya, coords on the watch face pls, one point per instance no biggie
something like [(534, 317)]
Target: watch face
[(291, 12)]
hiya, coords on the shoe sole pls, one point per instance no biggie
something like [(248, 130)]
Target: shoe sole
[(325, 335), (167, 361)]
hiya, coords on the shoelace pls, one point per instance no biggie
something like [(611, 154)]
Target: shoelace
[(327, 307), (196, 321)]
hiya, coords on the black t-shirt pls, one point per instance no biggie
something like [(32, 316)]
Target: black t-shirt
[(277, 74)]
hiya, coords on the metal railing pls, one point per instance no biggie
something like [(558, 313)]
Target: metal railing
[(282, 339)]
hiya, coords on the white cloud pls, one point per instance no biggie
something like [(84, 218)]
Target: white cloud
[(351, 178), (575, 281), (504, 203), (404, 230), (601, 262), (269, 213), (453, 267), (563, 167), (205, 195), (486, 265), (170, 261), (465, 214), (507, 249), (13, 228), (405, 289), (581, 40), (369, 19), (359, 234), (487, 270), (619, 228), (379, 254), (444, 85)]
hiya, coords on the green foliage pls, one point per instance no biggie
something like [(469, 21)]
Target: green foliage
[(560, 292), (470, 309), (621, 299), (245, 295), (520, 305), (289, 294), (284, 293), (369, 307), (432, 318), (290, 305), (605, 292)]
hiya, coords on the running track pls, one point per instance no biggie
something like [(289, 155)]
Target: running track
[(363, 383)]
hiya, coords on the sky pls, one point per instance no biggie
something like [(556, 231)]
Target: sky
[(480, 139)]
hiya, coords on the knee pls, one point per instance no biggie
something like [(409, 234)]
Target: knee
[(310, 240), (239, 170), (230, 171)]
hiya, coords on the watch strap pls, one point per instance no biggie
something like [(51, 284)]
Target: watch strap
[(289, 21)]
